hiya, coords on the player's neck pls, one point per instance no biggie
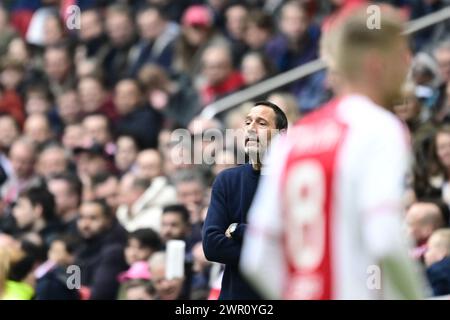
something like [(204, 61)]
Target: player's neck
[(368, 91)]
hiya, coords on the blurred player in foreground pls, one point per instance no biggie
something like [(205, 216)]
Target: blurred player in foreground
[(326, 222)]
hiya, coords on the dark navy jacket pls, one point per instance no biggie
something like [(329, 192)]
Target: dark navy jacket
[(438, 275), (231, 197)]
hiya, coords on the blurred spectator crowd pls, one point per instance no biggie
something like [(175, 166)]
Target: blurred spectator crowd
[(87, 172)]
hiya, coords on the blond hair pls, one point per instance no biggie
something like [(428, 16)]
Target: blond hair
[(353, 39)]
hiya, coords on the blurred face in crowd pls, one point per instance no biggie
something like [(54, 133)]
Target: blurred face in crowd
[(109, 191), (150, 24), (216, 65), (173, 227), (66, 200), (149, 164), (127, 96), (92, 220), (409, 109), (73, 136), (190, 192), (259, 123), (294, 22), (89, 164), (58, 254), (22, 157), (166, 289), (52, 161), (421, 220), (69, 107), (253, 69), (9, 131), (126, 153), (37, 103), (129, 193), (17, 49), (196, 35), (57, 64), (443, 59), (235, 20), (91, 25), (96, 129), (443, 148), (11, 78), (119, 29), (437, 249), (256, 37), (135, 251), (25, 213), (92, 95), (37, 128), (53, 32)]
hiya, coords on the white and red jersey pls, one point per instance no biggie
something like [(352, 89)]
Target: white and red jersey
[(329, 206)]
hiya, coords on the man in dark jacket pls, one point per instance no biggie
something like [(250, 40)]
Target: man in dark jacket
[(101, 256), (231, 196), (437, 259)]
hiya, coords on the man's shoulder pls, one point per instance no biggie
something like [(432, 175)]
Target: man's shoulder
[(231, 173)]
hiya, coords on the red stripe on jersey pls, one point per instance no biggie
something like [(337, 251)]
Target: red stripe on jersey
[(307, 184)]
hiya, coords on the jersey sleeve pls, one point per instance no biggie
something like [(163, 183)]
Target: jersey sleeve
[(262, 252), (382, 186)]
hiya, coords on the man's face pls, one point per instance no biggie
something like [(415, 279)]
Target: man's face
[(92, 220), (216, 65), (166, 289), (126, 153), (294, 22), (24, 213), (416, 221), (22, 160), (96, 128), (57, 64), (65, 199), (119, 29), (91, 26), (150, 25), (8, 131), (135, 252), (259, 128), (190, 192), (443, 148), (108, 190), (91, 94), (149, 164), (126, 96), (52, 162), (37, 129), (173, 227), (443, 60)]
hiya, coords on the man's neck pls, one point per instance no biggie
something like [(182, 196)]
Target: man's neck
[(364, 90)]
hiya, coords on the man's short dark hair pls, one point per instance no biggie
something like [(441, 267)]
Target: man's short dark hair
[(179, 209), (147, 237), (101, 177), (106, 210), (281, 121), (39, 195)]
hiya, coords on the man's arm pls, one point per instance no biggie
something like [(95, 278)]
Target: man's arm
[(216, 245), (105, 284), (263, 261)]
